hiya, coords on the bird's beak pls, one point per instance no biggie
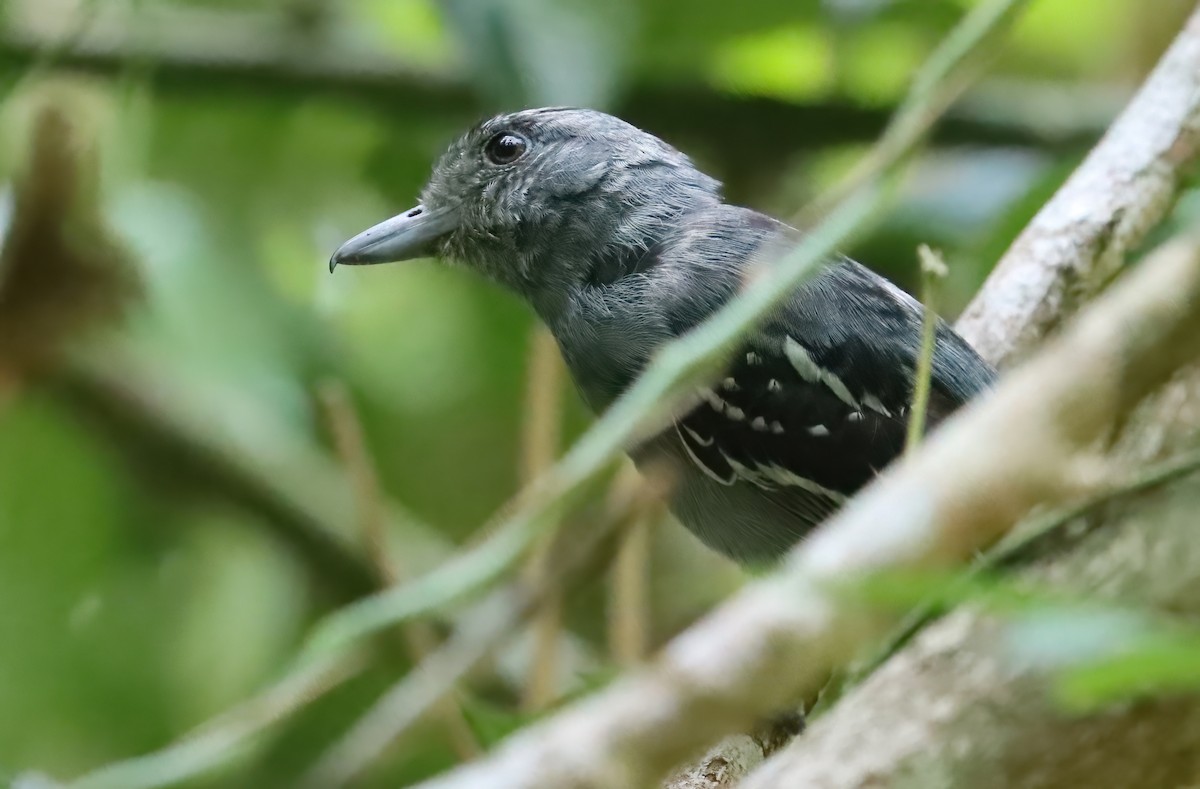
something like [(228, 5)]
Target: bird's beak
[(413, 234)]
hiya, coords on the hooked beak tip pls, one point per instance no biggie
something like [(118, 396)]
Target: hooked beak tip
[(413, 234)]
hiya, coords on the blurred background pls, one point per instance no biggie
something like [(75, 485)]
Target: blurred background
[(182, 485)]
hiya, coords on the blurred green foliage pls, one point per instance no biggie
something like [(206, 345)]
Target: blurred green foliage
[(242, 140)]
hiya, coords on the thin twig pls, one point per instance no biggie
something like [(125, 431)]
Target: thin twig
[(541, 681), (223, 736), (629, 596), (779, 637), (629, 614), (419, 637), (539, 447), (1011, 548), (933, 271), (542, 424), (493, 622), (351, 446), (432, 682)]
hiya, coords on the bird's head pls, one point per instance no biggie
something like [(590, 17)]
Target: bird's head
[(540, 199)]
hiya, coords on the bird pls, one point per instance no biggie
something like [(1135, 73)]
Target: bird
[(620, 244)]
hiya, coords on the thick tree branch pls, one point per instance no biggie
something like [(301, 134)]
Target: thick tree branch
[(852, 620), (956, 709), (1079, 240), (953, 703), (780, 637)]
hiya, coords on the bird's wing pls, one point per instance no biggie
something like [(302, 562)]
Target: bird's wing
[(816, 403), (778, 421)]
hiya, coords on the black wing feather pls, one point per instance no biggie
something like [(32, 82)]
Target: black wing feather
[(817, 403), (764, 424)]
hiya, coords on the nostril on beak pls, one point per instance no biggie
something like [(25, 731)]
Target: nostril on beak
[(415, 212)]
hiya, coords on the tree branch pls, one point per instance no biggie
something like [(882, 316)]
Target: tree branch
[(575, 556), (419, 637), (780, 637), (953, 703), (956, 704), (1080, 239)]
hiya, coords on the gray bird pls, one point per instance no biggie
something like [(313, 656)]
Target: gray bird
[(621, 244)]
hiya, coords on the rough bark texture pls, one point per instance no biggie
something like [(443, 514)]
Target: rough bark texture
[(723, 766), (779, 637), (1071, 248), (1082, 236), (955, 708)]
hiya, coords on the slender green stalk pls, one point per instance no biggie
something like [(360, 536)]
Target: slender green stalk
[(937, 84), (641, 412), (933, 271), (225, 735)]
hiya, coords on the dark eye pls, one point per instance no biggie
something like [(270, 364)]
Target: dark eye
[(505, 147)]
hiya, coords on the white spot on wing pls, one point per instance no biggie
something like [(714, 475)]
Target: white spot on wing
[(787, 478), (839, 389), (730, 384), (753, 358), (708, 472), (873, 402), (810, 371), (801, 360), (774, 476), (697, 438), (759, 423), (818, 430), (710, 397), (768, 477), (747, 474), (735, 413), (774, 386)]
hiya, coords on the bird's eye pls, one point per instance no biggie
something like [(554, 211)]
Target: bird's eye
[(505, 147)]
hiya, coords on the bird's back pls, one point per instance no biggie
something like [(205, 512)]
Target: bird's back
[(811, 407)]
